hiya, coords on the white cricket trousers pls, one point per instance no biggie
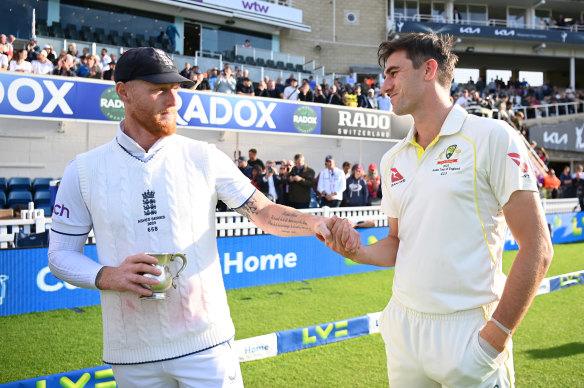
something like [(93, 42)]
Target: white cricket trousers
[(441, 350), (217, 367)]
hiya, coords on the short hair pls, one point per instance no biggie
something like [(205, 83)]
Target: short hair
[(419, 48), (253, 151), (345, 164), (298, 156)]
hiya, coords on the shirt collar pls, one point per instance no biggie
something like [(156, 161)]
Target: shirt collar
[(135, 149), (452, 124)]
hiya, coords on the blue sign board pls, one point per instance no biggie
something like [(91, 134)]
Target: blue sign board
[(491, 32), (27, 285), (63, 98)]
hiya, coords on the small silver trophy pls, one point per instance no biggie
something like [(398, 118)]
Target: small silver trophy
[(165, 278)]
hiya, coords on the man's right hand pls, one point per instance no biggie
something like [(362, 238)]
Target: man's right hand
[(130, 275)]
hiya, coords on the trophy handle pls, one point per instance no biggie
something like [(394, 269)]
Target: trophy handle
[(184, 264)]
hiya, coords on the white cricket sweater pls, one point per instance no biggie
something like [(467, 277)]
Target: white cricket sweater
[(164, 205)]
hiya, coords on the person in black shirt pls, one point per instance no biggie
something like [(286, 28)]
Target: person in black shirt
[(245, 87)]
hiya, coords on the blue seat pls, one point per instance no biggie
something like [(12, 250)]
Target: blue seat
[(41, 184), (19, 197), (42, 197), (3, 184), (2, 200), (19, 183)]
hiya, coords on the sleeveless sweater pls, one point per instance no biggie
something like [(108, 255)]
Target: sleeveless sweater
[(164, 205)]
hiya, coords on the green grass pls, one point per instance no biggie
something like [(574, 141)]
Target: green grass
[(549, 345)]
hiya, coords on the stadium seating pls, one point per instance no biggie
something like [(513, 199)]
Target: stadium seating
[(271, 63), (260, 62), (18, 197), (3, 185), (290, 66), (19, 183), (299, 68), (280, 65), (239, 59), (42, 197), (2, 200), (250, 61), (41, 184)]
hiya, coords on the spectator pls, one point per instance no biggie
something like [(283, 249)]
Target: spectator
[(280, 87), (245, 88), (291, 92), (262, 90), (272, 91), (319, 96), (373, 181), (567, 190), (356, 193), (578, 183), (561, 21), (285, 169), (5, 47), (226, 82), (247, 44), (456, 16), (42, 65), (305, 93), (104, 61), (109, 74), (186, 72), (551, 184), (383, 102), (172, 33), (300, 180), (347, 169), (244, 167), (350, 80), (256, 177), (272, 183), (361, 99), (312, 83), (331, 184), (32, 48), (253, 158), (3, 62), (212, 77), (89, 68), (371, 101), (201, 84), (334, 98), (20, 64), (50, 53), (463, 99), (65, 66)]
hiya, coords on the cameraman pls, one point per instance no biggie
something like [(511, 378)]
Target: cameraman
[(272, 186)]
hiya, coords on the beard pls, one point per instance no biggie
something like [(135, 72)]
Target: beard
[(159, 125)]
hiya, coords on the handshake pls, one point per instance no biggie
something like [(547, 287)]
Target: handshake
[(339, 235)]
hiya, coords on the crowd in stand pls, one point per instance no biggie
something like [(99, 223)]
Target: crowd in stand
[(294, 183), (68, 63)]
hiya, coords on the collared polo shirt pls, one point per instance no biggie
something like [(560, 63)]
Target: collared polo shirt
[(448, 200)]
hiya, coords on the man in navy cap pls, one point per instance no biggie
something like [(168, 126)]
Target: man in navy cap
[(150, 190)]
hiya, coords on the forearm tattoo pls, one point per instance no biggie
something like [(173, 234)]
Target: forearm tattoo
[(249, 209), (289, 223)]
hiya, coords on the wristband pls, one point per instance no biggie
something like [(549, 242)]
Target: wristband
[(501, 326)]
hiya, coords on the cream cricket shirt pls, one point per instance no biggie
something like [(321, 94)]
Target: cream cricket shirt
[(448, 200)]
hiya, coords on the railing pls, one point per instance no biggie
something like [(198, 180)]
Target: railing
[(533, 112), (268, 54), (232, 224)]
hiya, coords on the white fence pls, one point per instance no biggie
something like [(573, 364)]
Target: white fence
[(231, 224)]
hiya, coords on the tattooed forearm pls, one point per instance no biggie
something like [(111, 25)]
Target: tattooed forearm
[(288, 223), (249, 209)]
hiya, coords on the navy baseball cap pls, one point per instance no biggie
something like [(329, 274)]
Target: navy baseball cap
[(148, 64), (328, 157)]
